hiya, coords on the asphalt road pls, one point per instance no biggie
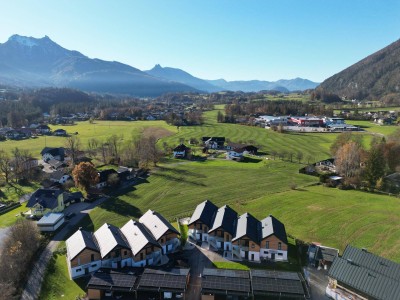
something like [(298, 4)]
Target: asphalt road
[(34, 283), (318, 280)]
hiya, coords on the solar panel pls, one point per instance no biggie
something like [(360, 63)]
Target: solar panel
[(226, 273), (113, 280), (275, 274), (226, 284), (163, 280), (277, 285)]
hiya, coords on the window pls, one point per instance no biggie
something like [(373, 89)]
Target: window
[(92, 257), (267, 244), (252, 245), (280, 254), (117, 253), (162, 241), (141, 256), (125, 253), (200, 226), (94, 266), (79, 261), (279, 246), (78, 270)]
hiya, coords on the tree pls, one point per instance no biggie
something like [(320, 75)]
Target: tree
[(18, 250), (85, 175), (73, 144), (348, 160), (5, 166), (343, 139), (220, 117), (299, 156), (113, 179), (375, 165)]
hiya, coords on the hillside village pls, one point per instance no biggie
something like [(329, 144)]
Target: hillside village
[(119, 181)]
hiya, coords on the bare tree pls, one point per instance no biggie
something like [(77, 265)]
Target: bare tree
[(348, 159), (73, 144), (299, 156)]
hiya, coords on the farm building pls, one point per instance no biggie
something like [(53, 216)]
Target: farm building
[(181, 151)]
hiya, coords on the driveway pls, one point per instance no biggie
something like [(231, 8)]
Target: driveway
[(34, 283), (318, 280), (198, 259)]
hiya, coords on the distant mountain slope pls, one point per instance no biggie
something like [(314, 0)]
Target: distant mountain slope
[(283, 85), (374, 77), (41, 62), (181, 76)]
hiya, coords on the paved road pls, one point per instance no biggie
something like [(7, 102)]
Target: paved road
[(34, 283), (318, 280)]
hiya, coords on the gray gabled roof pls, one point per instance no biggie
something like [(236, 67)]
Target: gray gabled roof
[(156, 224), (272, 226), (249, 226), (80, 241), (225, 219), (368, 273), (204, 212), (137, 236), (108, 237), (48, 198)]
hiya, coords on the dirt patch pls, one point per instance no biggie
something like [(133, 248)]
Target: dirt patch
[(157, 132), (314, 207)]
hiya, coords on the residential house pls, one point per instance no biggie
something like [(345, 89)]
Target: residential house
[(17, 134), (74, 197), (359, 274), (163, 232), (248, 149), (145, 249), (53, 153), (60, 132), (59, 176), (321, 256), (44, 201), (235, 154), (202, 220), (181, 151), (103, 178), (83, 254), (125, 173), (43, 129), (273, 243), (213, 142), (56, 164), (223, 229), (114, 248), (246, 242)]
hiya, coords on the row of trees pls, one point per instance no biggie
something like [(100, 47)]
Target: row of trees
[(362, 167)]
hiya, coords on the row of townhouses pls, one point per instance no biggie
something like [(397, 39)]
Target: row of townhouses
[(136, 244), (239, 237)]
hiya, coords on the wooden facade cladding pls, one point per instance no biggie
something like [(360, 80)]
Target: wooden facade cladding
[(85, 257), (198, 225), (222, 234), (147, 250), (246, 242), (169, 235), (273, 242), (119, 252)]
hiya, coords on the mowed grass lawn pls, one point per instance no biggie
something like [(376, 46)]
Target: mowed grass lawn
[(311, 213)]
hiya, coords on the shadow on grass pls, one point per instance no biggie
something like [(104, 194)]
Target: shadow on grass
[(121, 207), (180, 172), (178, 179), (2, 195), (251, 160)]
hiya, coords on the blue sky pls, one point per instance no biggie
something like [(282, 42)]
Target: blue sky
[(211, 39)]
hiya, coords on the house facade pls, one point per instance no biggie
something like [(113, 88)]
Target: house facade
[(202, 220), (181, 151), (223, 229), (273, 243), (133, 245), (163, 232), (44, 201), (103, 178), (53, 153)]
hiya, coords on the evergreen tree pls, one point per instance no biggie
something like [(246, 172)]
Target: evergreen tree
[(375, 165)]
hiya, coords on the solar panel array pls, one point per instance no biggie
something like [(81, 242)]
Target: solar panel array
[(172, 272), (263, 284), (163, 281), (275, 274), (226, 273), (113, 280), (226, 284)]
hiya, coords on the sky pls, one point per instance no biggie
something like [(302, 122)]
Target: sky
[(212, 39)]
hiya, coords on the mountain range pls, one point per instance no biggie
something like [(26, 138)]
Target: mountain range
[(32, 62), (376, 77)]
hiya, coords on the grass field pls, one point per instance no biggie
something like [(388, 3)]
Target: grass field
[(99, 130), (12, 216), (374, 128)]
